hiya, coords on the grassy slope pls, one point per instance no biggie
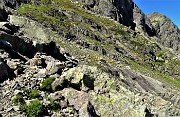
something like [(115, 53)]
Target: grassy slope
[(49, 14)]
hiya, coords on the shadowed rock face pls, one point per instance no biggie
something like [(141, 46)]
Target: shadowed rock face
[(166, 30), (13, 3), (142, 21), (3, 15), (4, 72)]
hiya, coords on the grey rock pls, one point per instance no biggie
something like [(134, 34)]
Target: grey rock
[(57, 96), (125, 12), (4, 54), (37, 62), (74, 97), (41, 73), (54, 67), (63, 104), (58, 84), (16, 108), (1, 107), (167, 32), (9, 109)]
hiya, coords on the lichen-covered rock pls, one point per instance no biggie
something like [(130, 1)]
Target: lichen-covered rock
[(81, 77), (108, 98)]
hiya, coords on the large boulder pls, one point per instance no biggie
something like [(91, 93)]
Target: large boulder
[(81, 78)]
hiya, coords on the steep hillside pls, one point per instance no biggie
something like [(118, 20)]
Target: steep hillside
[(82, 58)]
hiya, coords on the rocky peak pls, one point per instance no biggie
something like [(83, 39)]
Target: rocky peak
[(166, 31), (125, 12)]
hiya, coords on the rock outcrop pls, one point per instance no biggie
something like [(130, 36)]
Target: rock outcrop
[(167, 32), (125, 12)]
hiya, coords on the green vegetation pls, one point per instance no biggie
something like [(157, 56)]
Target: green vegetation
[(118, 30), (46, 84), (45, 14), (18, 99), (34, 94), (167, 79), (50, 13), (34, 109), (52, 105)]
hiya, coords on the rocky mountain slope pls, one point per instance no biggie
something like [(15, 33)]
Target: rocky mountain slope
[(65, 58), (167, 32)]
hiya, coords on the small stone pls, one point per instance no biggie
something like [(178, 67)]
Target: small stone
[(46, 101), (71, 115), (53, 68), (37, 62), (63, 104), (1, 107), (69, 64), (41, 73), (17, 92), (9, 109), (56, 96), (16, 108), (58, 84)]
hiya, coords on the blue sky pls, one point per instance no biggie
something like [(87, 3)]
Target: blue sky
[(170, 8)]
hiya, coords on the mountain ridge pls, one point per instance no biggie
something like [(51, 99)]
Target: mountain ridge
[(65, 56)]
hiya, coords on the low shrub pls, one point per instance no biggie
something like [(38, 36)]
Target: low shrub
[(34, 94), (18, 99), (34, 109), (46, 84)]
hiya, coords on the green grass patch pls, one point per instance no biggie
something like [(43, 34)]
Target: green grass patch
[(18, 99), (169, 80), (34, 109), (34, 94), (46, 84)]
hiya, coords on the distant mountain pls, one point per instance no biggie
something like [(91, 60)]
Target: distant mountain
[(167, 32)]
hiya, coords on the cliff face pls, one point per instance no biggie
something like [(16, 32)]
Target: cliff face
[(167, 32), (123, 11), (80, 58)]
